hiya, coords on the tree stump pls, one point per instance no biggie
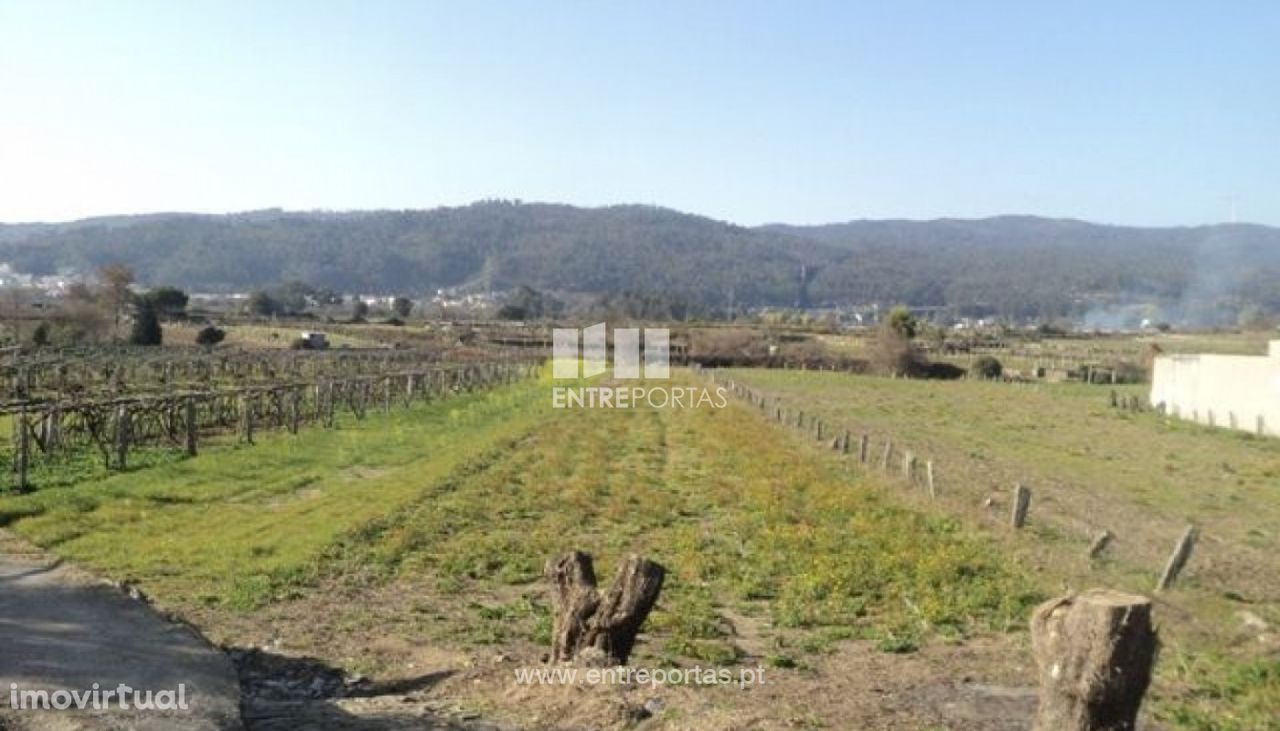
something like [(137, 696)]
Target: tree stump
[(1095, 652), (608, 624)]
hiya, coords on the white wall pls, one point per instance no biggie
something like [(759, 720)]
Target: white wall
[(1221, 389)]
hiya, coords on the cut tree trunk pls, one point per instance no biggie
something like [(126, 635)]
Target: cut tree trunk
[(590, 627), (1095, 652)]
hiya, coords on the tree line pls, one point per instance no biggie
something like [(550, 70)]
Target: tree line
[(1012, 267)]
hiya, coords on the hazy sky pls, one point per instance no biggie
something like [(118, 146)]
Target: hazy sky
[(1126, 112)]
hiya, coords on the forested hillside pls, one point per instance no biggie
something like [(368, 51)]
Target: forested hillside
[(1021, 266)]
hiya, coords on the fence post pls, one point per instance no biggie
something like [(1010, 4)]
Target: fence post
[(295, 408), (190, 419), (1178, 559), (928, 477), (22, 450), (246, 418), (122, 436), (1021, 503), (1100, 543), (329, 405), (908, 466), (888, 454), (1095, 652), (864, 448)]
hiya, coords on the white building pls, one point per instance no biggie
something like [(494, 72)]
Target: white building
[(1234, 391)]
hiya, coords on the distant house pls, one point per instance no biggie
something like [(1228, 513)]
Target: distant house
[(1234, 391)]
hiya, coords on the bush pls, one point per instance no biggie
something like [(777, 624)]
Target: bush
[(146, 326), (210, 336), (938, 371), (893, 354), (169, 301), (40, 336), (987, 368)]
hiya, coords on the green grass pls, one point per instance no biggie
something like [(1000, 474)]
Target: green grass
[(471, 496), (743, 521), (240, 526), (1091, 467)]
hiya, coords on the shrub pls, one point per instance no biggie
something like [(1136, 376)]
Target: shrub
[(987, 368), (40, 336), (146, 326), (210, 336)]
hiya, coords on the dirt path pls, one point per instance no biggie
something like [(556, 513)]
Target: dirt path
[(61, 629)]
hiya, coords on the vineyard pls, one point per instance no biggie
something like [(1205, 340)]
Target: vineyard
[(112, 401)]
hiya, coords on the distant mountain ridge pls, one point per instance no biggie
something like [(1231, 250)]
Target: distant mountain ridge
[(1022, 266)]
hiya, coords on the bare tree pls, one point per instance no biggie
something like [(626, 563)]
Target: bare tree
[(116, 280), (15, 309), (77, 321)]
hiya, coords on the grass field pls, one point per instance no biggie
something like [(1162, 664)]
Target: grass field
[(455, 506), (1068, 352), (371, 544), (1091, 467)]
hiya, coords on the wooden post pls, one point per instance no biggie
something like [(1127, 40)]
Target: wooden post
[(328, 404), (908, 466), (122, 436), (864, 448), (888, 454), (1021, 503), (190, 419), (817, 429), (1178, 559), (844, 442), (596, 629), (51, 425), (928, 478), (22, 450), (1100, 543), (295, 409), (1095, 652), (246, 418)]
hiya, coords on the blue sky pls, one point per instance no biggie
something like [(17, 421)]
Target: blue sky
[(805, 112)]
